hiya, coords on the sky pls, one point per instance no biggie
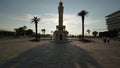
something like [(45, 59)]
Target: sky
[(18, 13)]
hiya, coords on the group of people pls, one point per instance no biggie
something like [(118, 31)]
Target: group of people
[(106, 40)]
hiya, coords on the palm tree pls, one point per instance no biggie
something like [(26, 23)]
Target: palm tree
[(43, 30), (35, 20), (83, 13), (94, 33), (88, 32), (24, 27)]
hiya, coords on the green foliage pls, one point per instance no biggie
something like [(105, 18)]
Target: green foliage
[(43, 30), (29, 32), (94, 33), (35, 20), (83, 13), (21, 31)]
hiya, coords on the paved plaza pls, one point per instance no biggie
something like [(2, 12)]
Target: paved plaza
[(21, 53)]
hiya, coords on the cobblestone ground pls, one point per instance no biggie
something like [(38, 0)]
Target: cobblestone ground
[(106, 54), (21, 53)]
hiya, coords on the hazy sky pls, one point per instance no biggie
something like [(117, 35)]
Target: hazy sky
[(17, 13)]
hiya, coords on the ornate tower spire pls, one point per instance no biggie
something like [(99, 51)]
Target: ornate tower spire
[(60, 11)]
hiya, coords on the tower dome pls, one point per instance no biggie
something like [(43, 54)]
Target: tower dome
[(60, 3)]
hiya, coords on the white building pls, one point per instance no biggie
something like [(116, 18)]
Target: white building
[(113, 21)]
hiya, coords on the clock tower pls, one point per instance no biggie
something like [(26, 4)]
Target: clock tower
[(60, 33)]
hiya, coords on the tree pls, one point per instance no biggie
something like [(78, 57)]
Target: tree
[(24, 27), (83, 13), (43, 30), (88, 32), (29, 32), (94, 33), (35, 20), (20, 31)]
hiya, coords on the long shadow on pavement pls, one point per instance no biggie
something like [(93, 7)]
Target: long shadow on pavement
[(51, 55)]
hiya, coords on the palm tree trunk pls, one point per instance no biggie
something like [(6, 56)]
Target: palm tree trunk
[(82, 27), (36, 30)]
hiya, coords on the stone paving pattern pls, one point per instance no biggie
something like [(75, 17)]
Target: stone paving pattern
[(21, 53)]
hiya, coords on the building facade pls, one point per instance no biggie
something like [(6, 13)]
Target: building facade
[(113, 21)]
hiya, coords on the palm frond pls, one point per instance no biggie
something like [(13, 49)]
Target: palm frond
[(82, 13), (35, 19)]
